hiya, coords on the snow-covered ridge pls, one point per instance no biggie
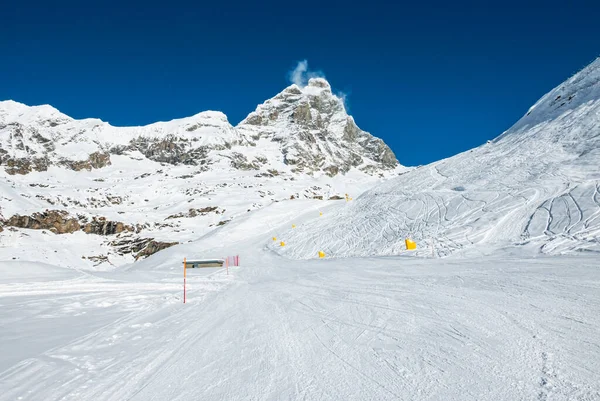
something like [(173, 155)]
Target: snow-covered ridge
[(537, 185), (574, 92), (306, 129)]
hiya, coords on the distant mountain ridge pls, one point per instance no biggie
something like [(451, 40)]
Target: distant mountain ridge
[(306, 128)]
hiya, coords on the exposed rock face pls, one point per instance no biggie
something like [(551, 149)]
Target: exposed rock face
[(30, 145), (197, 212), (96, 160), (240, 162), (140, 247), (101, 226), (331, 170), (152, 247), (57, 221), (171, 150), (24, 166)]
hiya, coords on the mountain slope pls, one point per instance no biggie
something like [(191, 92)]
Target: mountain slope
[(538, 184), (85, 193)]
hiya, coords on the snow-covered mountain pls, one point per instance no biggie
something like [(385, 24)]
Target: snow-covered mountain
[(325, 137), (537, 184), (141, 189), (498, 327), (307, 129), (138, 190)]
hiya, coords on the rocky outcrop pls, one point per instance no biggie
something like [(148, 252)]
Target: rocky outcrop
[(101, 226), (57, 221), (27, 165), (197, 212), (23, 165), (240, 162), (171, 150), (152, 247), (139, 247), (379, 152), (95, 160), (331, 170), (60, 222), (302, 114)]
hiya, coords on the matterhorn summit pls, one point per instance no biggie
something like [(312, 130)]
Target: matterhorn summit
[(315, 132)]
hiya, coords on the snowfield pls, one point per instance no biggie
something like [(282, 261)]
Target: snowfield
[(500, 300), (501, 327)]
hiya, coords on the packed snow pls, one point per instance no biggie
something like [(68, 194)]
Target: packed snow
[(502, 327)]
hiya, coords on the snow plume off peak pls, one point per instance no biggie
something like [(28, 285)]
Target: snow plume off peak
[(300, 75), (303, 77)]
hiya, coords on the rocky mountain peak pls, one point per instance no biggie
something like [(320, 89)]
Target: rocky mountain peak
[(319, 83), (306, 128), (315, 133), (302, 105)]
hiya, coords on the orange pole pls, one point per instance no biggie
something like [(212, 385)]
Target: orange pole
[(227, 264), (184, 269)]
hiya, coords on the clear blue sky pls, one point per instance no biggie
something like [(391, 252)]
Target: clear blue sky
[(432, 78)]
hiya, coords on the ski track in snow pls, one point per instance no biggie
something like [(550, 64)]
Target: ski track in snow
[(499, 328)]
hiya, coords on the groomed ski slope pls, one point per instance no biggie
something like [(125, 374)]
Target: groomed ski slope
[(537, 185), (501, 327)]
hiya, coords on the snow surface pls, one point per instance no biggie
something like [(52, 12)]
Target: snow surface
[(138, 191), (503, 327), (536, 186)]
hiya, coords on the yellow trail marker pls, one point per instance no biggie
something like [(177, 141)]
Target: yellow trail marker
[(282, 243), (320, 213), (410, 244), (274, 238), (321, 254), (293, 226)]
